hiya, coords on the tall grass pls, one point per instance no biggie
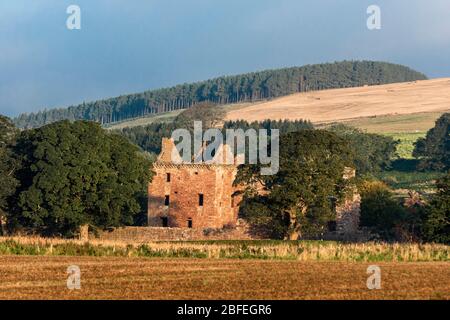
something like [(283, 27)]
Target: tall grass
[(292, 250)]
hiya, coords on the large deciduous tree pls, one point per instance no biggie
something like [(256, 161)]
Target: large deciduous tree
[(297, 201), (75, 174), (380, 212), (434, 149), (374, 152), (8, 165), (437, 221)]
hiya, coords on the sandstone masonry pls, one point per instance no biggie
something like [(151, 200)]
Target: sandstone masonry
[(188, 195)]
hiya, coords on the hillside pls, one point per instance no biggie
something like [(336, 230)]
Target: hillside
[(390, 102), (243, 88)]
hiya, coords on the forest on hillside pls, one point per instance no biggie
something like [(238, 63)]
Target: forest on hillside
[(228, 89)]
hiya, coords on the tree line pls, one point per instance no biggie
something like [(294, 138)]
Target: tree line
[(228, 89), (149, 137)]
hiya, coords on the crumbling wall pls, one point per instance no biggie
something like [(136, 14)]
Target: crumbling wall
[(148, 234), (348, 214)]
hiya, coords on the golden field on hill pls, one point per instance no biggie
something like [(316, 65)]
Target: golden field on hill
[(338, 105), (40, 277)]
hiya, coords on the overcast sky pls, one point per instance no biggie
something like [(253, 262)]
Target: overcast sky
[(135, 45)]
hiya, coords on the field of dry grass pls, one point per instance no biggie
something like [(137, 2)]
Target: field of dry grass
[(265, 249), (37, 277), (35, 268), (353, 103)]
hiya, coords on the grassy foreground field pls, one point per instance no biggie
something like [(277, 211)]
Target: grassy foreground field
[(38, 277), (262, 250)]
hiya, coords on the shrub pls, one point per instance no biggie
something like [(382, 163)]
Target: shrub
[(380, 212)]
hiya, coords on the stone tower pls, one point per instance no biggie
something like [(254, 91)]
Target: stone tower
[(189, 195)]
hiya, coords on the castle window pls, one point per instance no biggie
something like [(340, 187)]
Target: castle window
[(166, 200), (332, 226), (168, 177), (333, 203), (165, 222), (200, 200), (189, 223)]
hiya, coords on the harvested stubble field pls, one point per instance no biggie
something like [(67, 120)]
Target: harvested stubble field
[(40, 277), (347, 104), (35, 268)]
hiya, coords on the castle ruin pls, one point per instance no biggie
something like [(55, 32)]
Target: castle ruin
[(202, 195), (192, 195)]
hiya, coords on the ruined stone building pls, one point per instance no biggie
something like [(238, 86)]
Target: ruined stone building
[(189, 195), (201, 196), (347, 214)]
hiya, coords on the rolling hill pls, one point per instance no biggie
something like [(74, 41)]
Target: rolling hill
[(244, 88), (394, 108)]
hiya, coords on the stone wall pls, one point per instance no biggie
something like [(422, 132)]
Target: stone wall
[(147, 234), (348, 214)]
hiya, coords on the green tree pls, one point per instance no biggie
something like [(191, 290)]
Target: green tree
[(75, 174), (380, 212), (434, 149), (437, 221), (373, 153), (8, 165), (298, 199)]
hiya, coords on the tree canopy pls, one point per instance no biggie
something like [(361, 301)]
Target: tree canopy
[(228, 89), (437, 221), (372, 152), (434, 149), (8, 163), (74, 174), (297, 201), (380, 212), (149, 137)]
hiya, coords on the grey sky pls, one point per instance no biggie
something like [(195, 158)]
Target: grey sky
[(135, 45)]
